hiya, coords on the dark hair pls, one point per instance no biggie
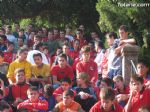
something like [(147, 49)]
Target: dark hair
[(144, 62), (1, 54), (51, 31), (62, 55), (62, 30), (3, 37), (18, 70), (66, 79), (21, 30), (99, 43), (1, 92), (32, 88), (108, 81), (138, 78), (37, 54), (10, 43), (112, 34), (69, 93), (48, 90), (80, 31), (37, 46), (107, 94), (123, 27)]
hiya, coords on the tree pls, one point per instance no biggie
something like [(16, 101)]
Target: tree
[(113, 13), (55, 12)]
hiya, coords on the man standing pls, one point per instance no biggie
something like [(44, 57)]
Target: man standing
[(116, 65)]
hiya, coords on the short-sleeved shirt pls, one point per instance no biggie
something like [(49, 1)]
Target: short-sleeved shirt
[(88, 67), (44, 71), (62, 72)]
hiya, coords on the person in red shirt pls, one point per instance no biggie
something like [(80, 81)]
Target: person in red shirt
[(121, 90), (143, 70), (61, 70), (56, 33), (139, 95), (16, 93), (93, 53), (105, 83), (33, 103), (76, 49), (79, 36), (107, 102), (9, 56), (65, 85), (87, 65)]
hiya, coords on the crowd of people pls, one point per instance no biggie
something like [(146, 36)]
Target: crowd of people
[(54, 70)]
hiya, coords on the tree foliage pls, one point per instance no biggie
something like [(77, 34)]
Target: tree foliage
[(112, 15), (51, 12)]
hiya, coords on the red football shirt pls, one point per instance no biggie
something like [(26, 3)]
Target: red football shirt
[(74, 54), (9, 57), (140, 100), (88, 67), (98, 108), (62, 72)]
